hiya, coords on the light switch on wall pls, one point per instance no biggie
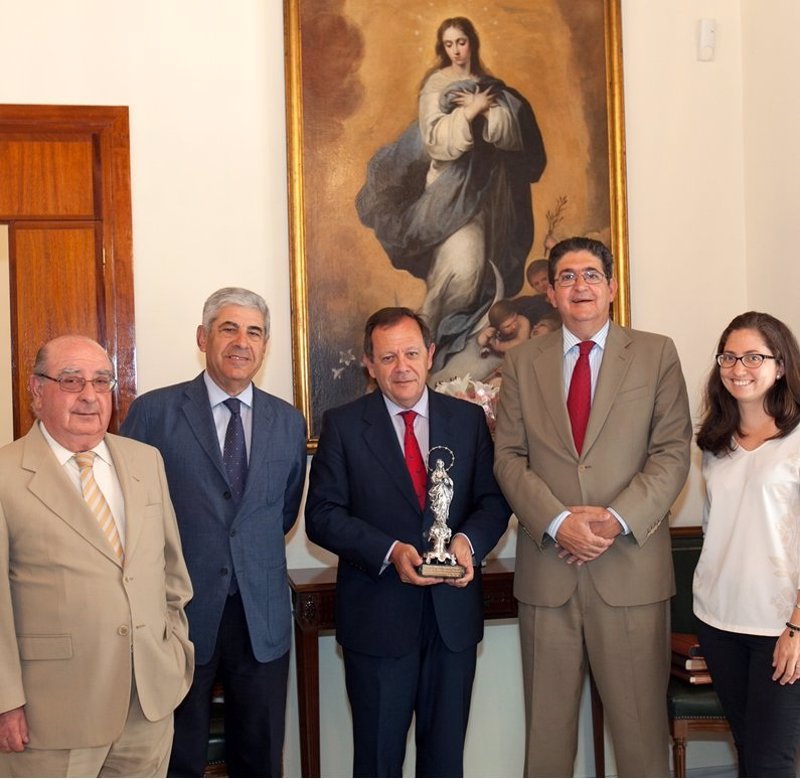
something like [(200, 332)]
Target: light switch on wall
[(706, 39)]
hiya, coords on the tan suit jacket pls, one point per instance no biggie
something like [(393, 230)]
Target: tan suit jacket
[(635, 460), (76, 627)]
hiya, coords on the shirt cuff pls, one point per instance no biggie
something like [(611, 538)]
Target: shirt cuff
[(386, 560), (625, 529), (471, 548), (555, 525)]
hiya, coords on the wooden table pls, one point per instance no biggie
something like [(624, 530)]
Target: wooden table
[(313, 592)]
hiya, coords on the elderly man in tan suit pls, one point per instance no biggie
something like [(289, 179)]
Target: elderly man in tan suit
[(94, 648), (592, 448)]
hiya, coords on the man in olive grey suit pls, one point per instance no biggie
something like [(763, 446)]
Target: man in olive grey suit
[(594, 566), (232, 524)]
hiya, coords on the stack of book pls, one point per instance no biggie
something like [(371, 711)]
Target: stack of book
[(688, 662)]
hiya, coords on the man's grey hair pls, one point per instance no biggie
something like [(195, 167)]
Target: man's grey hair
[(234, 296), (40, 363)]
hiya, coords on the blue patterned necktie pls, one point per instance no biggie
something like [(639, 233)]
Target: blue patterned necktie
[(234, 452)]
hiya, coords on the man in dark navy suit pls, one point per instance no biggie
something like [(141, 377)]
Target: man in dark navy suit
[(235, 461), (409, 642)]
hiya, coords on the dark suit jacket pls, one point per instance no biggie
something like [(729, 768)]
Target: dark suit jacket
[(217, 538), (635, 459), (361, 499)]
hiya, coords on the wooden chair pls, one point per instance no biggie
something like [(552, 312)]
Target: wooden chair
[(692, 707)]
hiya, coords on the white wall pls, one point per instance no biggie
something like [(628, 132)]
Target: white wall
[(712, 193), (772, 160), (685, 185)]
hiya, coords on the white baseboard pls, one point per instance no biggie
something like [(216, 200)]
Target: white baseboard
[(713, 770)]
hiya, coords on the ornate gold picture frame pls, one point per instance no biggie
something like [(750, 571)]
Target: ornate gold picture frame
[(357, 75)]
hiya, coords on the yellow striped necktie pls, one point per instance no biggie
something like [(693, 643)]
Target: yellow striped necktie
[(97, 502)]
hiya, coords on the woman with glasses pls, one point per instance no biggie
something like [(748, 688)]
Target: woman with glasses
[(746, 584)]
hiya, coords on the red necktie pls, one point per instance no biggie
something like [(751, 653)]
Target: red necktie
[(414, 461), (579, 398)]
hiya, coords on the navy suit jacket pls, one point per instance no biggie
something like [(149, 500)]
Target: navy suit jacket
[(361, 499), (218, 538)]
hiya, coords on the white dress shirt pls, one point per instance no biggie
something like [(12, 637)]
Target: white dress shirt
[(422, 425)]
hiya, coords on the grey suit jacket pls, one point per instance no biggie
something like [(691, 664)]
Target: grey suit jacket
[(75, 626), (635, 460)]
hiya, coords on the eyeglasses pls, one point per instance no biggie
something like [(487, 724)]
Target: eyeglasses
[(728, 360), (590, 276), (76, 384)]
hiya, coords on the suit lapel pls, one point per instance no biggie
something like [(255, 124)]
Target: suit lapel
[(548, 367), (614, 368), (381, 439), (197, 411), (262, 443), (130, 480), (51, 486), (441, 424)]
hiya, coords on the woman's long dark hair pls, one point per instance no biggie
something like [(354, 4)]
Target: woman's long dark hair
[(782, 402)]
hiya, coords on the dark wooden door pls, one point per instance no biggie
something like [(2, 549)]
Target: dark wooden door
[(65, 195)]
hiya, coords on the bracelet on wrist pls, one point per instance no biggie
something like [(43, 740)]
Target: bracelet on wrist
[(792, 629)]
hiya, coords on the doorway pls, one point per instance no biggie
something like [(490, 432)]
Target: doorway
[(65, 205)]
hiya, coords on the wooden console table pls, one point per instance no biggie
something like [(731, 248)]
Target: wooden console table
[(313, 592)]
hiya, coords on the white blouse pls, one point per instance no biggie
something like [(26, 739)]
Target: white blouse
[(748, 574)]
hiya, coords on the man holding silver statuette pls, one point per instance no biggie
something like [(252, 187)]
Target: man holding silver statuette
[(396, 472)]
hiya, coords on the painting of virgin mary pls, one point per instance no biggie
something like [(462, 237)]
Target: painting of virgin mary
[(436, 151)]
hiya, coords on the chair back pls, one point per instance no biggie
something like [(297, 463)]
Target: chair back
[(686, 545)]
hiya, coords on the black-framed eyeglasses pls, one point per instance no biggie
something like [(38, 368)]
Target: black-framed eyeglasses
[(76, 384), (750, 360), (590, 276)]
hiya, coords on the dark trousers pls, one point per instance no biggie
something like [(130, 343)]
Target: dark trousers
[(764, 716), (255, 706), (432, 683)]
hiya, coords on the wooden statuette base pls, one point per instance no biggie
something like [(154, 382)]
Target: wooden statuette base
[(441, 570)]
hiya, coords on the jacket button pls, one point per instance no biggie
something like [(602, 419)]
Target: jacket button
[(223, 571), (233, 533), (123, 630), (226, 494)]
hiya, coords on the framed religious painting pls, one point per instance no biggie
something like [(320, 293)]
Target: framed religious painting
[(437, 152)]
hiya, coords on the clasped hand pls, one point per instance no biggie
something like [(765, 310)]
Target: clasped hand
[(586, 533)]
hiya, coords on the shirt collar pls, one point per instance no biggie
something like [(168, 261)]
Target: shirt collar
[(63, 455), (570, 340), (217, 395), (421, 406)]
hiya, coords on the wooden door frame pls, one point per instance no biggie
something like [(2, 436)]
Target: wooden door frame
[(109, 129)]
